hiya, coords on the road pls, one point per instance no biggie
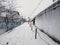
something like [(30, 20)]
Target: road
[(23, 35)]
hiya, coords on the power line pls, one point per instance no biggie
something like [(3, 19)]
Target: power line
[(36, 7)]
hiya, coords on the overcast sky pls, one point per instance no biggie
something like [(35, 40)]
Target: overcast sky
[(26, 7)]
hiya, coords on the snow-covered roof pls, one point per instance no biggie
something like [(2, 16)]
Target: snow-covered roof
[(51, 7)]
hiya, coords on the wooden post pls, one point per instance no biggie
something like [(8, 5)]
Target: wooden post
[(35, 33)]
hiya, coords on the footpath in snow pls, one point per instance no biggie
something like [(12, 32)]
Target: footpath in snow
[(23, 35)]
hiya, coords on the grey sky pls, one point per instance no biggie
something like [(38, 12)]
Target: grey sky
[(26, 7)]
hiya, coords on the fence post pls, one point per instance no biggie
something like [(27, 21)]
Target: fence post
[(35, 33)]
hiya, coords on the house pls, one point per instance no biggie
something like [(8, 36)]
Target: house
[(49, 21)]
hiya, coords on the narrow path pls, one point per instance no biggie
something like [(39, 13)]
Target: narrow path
[(23, 35)]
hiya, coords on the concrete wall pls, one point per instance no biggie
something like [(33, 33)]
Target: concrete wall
[(50, 22)]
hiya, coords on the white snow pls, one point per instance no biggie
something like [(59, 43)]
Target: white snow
[(23, 35)]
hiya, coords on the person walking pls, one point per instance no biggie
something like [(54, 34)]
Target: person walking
[(30, 23)]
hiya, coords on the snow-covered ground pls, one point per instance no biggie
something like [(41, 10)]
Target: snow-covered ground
[(23, 35)]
